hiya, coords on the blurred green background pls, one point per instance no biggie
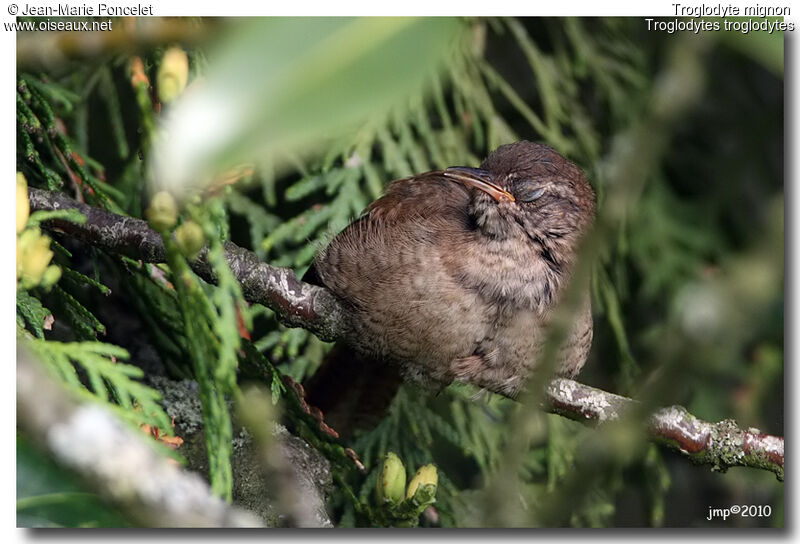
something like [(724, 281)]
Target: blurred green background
[(290, 127)]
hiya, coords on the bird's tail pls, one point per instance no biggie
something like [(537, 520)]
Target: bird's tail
[(352, 390)]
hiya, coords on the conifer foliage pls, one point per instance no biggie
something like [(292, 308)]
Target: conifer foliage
[(288, 177)]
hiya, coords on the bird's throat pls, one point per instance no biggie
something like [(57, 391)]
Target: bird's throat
[(489, 218)]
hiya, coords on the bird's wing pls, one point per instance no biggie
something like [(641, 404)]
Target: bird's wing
[(423, 196), (414, 214)]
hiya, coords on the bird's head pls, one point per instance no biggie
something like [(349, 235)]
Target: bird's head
[(528, 189)]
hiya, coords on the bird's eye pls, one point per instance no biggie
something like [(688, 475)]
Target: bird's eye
[(528, 192)]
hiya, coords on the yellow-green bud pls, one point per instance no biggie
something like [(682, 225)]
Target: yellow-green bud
[(189, 237), (426, 475), (51, 275), (162, 212), (173, 73), (33, 256), (392, 480), (23, 207)]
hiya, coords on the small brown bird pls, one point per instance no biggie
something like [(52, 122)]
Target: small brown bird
[(451, 276)]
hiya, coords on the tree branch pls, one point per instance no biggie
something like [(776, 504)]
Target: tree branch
[(298, 304), (115, 460), (721, 445)]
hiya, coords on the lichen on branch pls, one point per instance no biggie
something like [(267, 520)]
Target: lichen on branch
[(721, 445)]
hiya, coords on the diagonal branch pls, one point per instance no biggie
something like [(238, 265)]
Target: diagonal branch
[(115, 460), (298, 304)]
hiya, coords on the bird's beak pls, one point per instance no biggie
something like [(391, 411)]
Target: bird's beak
[(480, 179)]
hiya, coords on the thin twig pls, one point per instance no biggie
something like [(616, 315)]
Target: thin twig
[(299, 304)]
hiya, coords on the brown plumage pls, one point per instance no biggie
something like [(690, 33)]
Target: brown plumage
[(451, 276)]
